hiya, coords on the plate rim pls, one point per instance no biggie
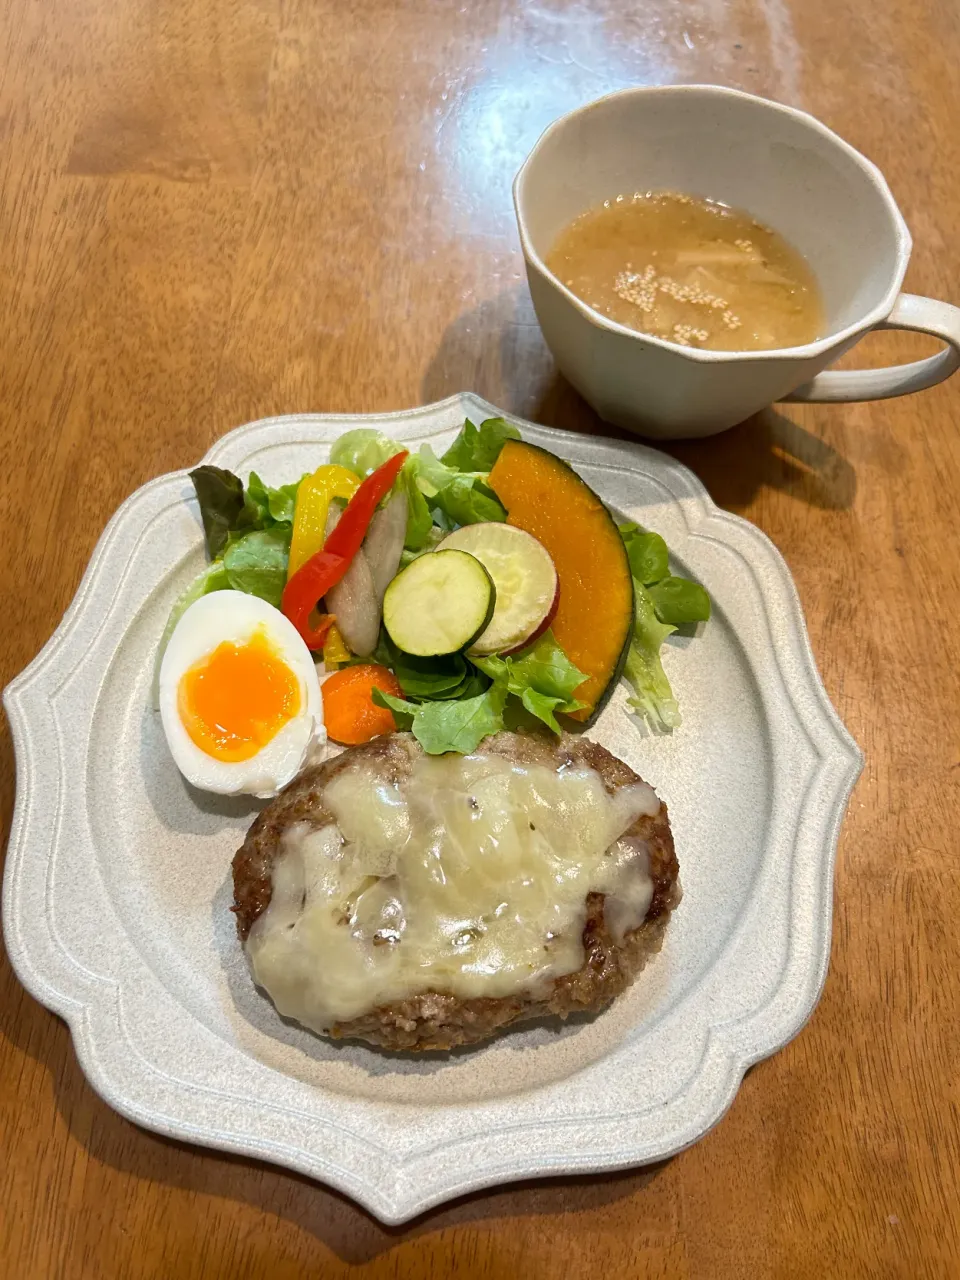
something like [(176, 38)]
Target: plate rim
[(396, 1196)]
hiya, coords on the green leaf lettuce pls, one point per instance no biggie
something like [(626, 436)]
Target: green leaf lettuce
[(478, 448), (652, 696), (363, 450), (542, 677), (678, 601), (451, 725), (257, 563)]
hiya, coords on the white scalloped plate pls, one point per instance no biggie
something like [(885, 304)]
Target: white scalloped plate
[(117, 882)]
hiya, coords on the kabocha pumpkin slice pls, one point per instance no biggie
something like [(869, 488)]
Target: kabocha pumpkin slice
[(594, 619)]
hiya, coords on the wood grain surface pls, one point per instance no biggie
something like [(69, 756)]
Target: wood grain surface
[(210, 212)]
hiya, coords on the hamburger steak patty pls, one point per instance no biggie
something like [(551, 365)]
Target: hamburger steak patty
[(438, 1020)]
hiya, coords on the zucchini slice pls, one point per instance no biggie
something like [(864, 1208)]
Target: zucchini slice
[(439, 604)]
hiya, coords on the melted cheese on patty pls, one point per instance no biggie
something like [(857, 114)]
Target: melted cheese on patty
[(469, 878)]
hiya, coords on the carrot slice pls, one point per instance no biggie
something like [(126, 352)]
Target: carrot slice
[(349, 712)]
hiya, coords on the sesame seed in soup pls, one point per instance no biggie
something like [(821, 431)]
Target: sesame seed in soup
[(691, 271)]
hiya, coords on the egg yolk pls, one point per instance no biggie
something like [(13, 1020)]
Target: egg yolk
[(237, 698)]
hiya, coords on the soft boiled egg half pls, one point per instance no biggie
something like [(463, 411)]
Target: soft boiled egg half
[(239, 696)]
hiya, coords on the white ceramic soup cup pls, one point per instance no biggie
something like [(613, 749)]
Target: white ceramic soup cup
[(787, 170)]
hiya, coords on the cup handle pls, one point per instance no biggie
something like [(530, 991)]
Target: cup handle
[(940, 319)]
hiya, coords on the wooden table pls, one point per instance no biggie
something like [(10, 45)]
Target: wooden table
[(212, 212)]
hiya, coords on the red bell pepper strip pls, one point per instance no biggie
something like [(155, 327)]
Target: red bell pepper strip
[(324, 570), (355, 521), (307, 586)]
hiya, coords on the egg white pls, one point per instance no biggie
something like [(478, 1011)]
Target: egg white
[(235, 616)]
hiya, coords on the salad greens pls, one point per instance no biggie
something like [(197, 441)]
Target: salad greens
[(678, 600), (420, 526), (662, 603), (478, 448), (257, 562), (363, 450), (647, 553), (459, 725), (542, 677), (263, 505), (427, 679), (467, 500), (247, 532), (443, 715), (450, 703), (229, 511), (433, 474), (220, 494), (455, 484), (652, 696)]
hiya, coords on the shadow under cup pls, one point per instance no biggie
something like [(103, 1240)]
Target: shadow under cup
[(779, 165)]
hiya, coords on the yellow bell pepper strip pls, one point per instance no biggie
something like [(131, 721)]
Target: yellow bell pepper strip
[(335, 652), (310, 514)]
